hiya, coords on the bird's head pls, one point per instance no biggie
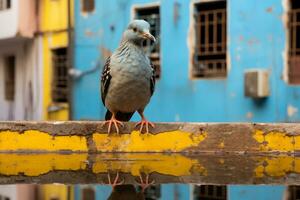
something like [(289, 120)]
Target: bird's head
[(138, 31)]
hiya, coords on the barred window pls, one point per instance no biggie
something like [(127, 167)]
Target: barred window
[(5, 4), (60, 75), (293, 193), (294, 42), (9, 77), (152, 15), (210, 192), (211, 38), (87, 5)]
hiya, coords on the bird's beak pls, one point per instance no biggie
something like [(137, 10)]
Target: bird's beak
[(148, 35)]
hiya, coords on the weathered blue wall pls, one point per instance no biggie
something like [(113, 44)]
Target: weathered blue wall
[(256, 39)]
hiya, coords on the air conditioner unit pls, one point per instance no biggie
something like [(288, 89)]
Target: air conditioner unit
[(256, 83)]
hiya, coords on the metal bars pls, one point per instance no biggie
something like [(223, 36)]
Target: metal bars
[(152, 15), (294, 44), (210, 48), (60, 75)]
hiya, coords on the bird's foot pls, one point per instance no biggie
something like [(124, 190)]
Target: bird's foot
[(144, 123), (145, 184), (115, 181), (115, 123)]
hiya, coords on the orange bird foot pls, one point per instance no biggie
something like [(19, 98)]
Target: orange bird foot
[(145, 184), (144, 123), (114, 122), (115, 181)]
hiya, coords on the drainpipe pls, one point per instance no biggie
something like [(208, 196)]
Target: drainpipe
[(70, 59)]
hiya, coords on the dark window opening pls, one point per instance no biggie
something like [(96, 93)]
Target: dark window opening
[(88, 194), (211, 38), (88, 5), (293, 193), (294, 42), (152, 15), (210, 192), (5, 4), (60, 75), (9, 77)]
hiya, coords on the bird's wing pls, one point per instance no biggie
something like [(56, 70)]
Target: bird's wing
[(152, 80), (105, 79)]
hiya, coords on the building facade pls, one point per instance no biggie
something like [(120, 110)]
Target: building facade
[(54, 35), (20, 73), (218, 61)]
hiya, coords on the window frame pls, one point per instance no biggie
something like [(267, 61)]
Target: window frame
[(54, 80), (134, 15), (193, 42), (87, 11)]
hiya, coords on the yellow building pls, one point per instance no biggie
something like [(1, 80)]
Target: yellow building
[(54, 41), (55, 191), (53, 31)]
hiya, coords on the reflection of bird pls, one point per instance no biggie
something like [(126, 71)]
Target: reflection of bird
[(128, 80), (127, 192)]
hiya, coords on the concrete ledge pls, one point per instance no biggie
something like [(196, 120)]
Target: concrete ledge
[(81, 136)]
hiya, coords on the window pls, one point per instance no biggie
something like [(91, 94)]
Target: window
[(5, 4), (88, 194), (151, 15), (60, 75), (210, 192), (210, 48), (293, 192), (294, 42), (87, 5), (9, 78)]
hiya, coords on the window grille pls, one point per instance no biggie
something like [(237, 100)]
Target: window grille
[(210, 192), (60, 75), (88, 5), (294, 43), (152, 15), (211, 38)]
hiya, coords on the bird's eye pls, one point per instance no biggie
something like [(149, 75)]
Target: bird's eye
[(135, 29)]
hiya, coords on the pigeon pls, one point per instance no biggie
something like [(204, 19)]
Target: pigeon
[(128, 78)]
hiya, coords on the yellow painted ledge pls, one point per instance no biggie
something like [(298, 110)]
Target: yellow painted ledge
[(173, 141), (33, 140), (277, 141)]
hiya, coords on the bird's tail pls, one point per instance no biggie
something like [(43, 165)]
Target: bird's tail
[(119, 116)]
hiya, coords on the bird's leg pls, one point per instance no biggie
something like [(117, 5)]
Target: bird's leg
[(145, 184), (144, 122), (114, 121), (115, 181)]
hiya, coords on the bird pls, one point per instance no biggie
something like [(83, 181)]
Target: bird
[(128, 191), (128, 78)]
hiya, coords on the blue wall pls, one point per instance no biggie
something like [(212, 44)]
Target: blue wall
[(256, 39)]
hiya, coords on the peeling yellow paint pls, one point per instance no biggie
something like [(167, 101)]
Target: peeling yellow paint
[(174, 141), (277, 141), (37, 140), (175, 165), (277, 166), (38, 164)]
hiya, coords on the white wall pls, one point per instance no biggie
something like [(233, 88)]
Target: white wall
[(9, 191), (9, 21), (28, 91)]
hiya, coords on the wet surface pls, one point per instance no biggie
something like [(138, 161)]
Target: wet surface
[(161, 168)]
